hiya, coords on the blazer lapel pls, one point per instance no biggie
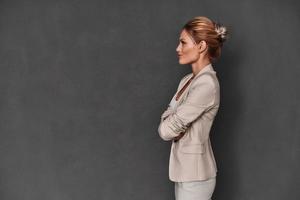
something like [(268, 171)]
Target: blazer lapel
[(186, 91)]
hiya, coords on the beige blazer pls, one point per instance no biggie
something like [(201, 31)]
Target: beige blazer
[(192, 158)]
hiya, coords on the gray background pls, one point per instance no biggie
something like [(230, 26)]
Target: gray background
[(83, 85)]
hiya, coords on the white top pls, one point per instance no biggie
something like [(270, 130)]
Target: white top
[(173, 103)]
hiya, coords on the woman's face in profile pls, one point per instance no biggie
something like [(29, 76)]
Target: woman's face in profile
[(187, 49)]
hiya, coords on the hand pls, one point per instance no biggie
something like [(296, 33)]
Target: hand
[(179, 136)]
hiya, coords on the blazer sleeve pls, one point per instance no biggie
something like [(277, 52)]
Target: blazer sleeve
[(200, 98)]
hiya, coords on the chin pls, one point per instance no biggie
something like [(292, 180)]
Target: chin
[(182, 62)]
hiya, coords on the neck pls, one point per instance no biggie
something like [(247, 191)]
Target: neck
[(199, 65)]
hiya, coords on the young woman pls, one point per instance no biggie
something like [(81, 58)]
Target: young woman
[(191, 112)]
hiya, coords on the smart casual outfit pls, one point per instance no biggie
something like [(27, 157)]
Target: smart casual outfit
[(192, 110)]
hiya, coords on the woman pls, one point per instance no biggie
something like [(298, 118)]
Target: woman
[(189, 117)]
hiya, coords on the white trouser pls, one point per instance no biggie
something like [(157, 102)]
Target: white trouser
[(195, 190)]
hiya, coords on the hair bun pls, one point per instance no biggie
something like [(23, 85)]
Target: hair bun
[(221, 31)]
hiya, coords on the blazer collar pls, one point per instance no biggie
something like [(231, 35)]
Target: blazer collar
[(206, 68)]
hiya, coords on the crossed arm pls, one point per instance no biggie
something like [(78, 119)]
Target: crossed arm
[(174, 123), (165, 115)]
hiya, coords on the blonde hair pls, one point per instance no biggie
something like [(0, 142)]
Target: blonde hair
[(214, 34)]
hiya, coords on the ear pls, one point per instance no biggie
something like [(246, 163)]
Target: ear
[(202, 46)]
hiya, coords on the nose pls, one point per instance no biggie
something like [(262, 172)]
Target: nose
[(178, 48)]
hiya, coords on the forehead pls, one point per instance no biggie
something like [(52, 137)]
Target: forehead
[(184, 35)]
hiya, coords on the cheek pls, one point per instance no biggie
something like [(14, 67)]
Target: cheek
[(190, 53), (187, 49)]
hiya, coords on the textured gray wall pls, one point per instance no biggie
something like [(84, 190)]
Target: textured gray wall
[(83, 84)]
